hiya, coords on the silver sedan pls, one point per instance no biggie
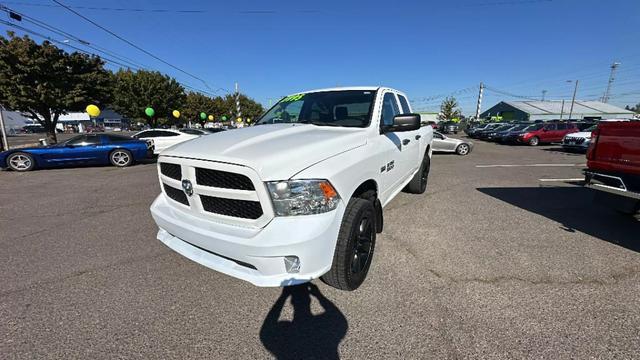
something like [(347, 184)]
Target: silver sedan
[(442, 143)]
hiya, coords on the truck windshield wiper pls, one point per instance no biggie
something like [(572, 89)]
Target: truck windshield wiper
[(318, 123)]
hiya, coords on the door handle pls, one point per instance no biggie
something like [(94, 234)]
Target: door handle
[(418, 137), (405, 141)]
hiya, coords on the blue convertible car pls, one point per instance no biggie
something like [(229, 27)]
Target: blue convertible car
[(82, 149)]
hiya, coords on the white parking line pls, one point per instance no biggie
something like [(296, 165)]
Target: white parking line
[(562, 180), (531, 165)]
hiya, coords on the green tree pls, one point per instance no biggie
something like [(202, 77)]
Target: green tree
[(133, 92), (43, 82), (197, 103), (449, 109)]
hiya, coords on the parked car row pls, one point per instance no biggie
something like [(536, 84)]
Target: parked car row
[(531, 134)]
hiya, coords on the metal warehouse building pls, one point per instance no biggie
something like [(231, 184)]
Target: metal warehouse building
[(550, 110)]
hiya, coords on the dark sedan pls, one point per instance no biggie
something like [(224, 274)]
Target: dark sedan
[(489, 128), (497, 133), (97, 149)]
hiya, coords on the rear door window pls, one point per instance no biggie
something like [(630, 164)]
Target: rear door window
[(550, 127), (404, 104), (562, 126)]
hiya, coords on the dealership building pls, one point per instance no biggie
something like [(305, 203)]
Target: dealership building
[(554, 109)]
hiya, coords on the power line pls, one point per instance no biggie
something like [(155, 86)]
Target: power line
[(108, 8), (107, 59), (132, 44), (32, 32), (63, 33), (122, 60), (528, 97)]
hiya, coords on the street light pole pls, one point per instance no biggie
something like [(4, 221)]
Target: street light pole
[(573, 100)]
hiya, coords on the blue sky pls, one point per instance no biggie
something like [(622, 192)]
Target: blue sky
[(425, 48)]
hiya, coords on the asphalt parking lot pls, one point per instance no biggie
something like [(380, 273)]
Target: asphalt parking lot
[(492, 262)]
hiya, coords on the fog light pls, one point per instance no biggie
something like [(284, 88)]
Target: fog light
[(292, 264)]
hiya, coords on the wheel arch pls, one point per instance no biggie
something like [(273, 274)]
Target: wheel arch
[(369, 190)]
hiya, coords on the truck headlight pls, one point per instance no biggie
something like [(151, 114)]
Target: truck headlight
[(302, 197)]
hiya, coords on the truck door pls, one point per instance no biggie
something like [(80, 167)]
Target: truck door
[(395, 166), (411, 141), (549, 133)]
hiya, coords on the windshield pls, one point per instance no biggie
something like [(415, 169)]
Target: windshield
[(348, 108), (520, 127), (534, 127), (504, 127)]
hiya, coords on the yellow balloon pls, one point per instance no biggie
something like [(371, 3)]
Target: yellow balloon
[(176, 114), (210, 117), (93, 110)]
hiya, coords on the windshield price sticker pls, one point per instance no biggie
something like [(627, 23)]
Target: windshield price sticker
[(292, 98)]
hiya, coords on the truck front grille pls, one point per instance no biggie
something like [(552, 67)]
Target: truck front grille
[(171, 170), (221, 192), (231, 207), (223, 179), (176, 194)]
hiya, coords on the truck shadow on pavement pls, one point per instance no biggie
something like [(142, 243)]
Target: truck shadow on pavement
[(307, 336), (574, 208)]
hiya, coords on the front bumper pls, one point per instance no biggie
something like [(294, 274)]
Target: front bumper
[(256, 255)]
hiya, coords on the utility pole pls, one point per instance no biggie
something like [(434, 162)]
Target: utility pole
[(573, 100), (562, 110), (238, 111), (614, 66), (5, 144), (479, 106), (544, 92)]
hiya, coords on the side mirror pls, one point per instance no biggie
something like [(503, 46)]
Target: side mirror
[(404, 122)]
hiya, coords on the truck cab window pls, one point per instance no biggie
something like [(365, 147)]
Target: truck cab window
[(389, 109)]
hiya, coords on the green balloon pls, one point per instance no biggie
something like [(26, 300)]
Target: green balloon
[(203, 116), (224, 118), (149, 111)]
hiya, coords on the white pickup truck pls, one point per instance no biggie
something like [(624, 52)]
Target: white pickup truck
[(300, 194)]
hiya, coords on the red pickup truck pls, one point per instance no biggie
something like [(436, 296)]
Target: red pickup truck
[(613, 165)]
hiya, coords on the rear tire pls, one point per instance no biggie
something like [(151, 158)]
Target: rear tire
[(354, 247), (463, 149), (418, 184), (21, 161), (534, 141), (121, 158)]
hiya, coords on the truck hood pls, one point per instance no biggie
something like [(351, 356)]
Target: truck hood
[(275, 152)]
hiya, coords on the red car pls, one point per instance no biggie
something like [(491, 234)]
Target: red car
[(613, 162), (546, 133)]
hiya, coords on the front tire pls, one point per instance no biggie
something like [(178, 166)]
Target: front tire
[(355, 246), (534, 141), (418, 184), (121, 158), (21, 161), (463, 149)]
